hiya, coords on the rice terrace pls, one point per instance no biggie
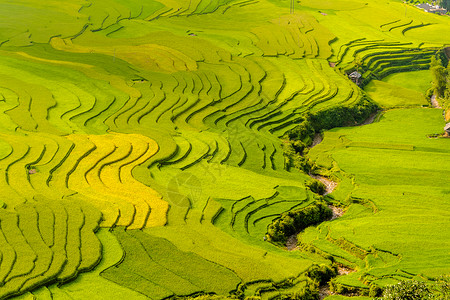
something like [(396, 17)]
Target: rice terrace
[(224, 149)]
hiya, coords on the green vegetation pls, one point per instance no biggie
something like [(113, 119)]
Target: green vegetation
[(412, 289), (47, 242), (412, 178), (419, 81), (165, 149), (296, 220), (389, 95), (440, 84), (316, 186)]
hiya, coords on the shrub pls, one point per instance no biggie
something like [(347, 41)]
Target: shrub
[(321, 274), (443, 287), (295, 159), (413, 289), (309, 292), (303, 132), (343, 115), (316, 186), (298, 146), (339, 288), (294, 221), (374, 290)]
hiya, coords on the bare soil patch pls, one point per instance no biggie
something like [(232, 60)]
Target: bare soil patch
[(331, 185), (434, 102), (291, 243)]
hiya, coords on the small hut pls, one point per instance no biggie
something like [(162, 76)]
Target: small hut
[(355, 77), (447, 129)]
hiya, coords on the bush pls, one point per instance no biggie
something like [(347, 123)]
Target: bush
[(412, 289), (294, 221), (343, 115), (309, 292), (407, 290), (321, 274), (303, 132), (374, 290), (316, 186), (339, 288), (294, 158)]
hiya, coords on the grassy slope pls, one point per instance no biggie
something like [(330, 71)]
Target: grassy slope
[(418, 80), (400, 89), (389, 95), (406, 189)]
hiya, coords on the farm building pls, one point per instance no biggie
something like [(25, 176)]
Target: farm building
[(355, 77), (447, 129), (436, 9)]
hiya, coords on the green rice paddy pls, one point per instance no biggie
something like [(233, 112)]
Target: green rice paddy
[(143, 147)]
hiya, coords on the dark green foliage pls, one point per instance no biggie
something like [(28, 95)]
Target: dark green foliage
[(440, 70), (301, 137), (321, 274), (294, 221), (445, 4), (293, 152), (303, 132), (343, 115), (439, 74), (296, 146), (442, 55), (316, 186), (374, 290)]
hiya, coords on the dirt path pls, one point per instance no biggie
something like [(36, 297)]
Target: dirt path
[(337, 212), (370, 119), (324, 290), (434, 102), (331, 185), (291, 243), (317, 140)]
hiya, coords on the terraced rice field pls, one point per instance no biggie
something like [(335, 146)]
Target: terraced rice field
[(143, 147)]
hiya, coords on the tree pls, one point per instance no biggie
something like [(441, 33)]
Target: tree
[(407, 290), (445, 4), (439, 74)]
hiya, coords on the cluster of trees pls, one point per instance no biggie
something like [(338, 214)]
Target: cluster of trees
[(296, 146), (413, 289), (316, 186), (320, 275), (440, 71), (298, 139), (340, 116), (294, 221), (444, 3)]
